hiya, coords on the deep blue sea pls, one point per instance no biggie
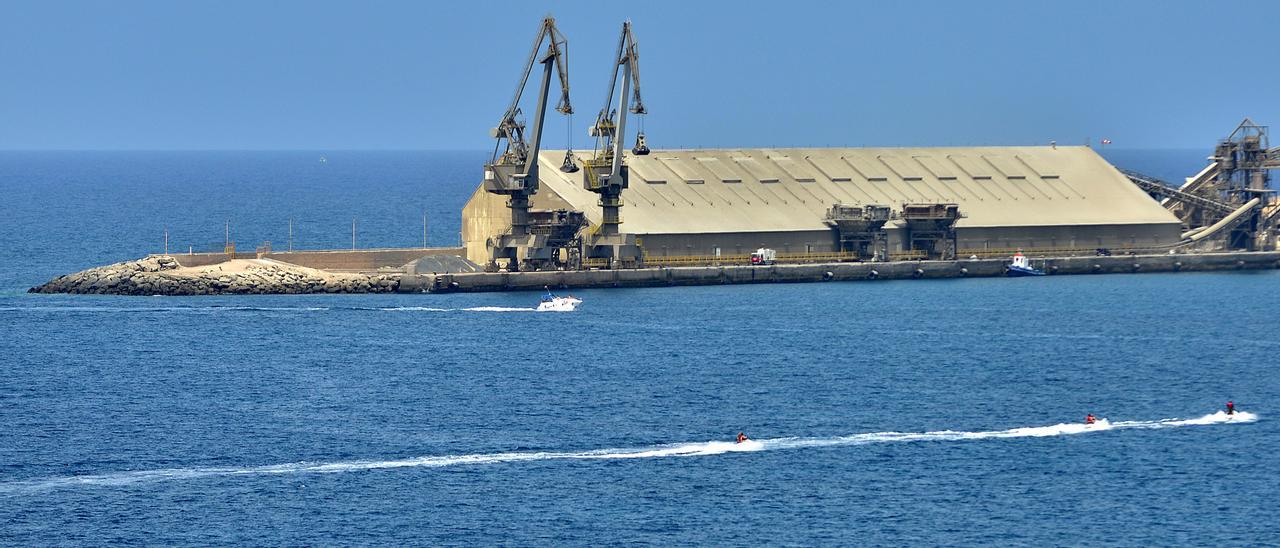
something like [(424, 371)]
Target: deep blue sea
[(931, 412)]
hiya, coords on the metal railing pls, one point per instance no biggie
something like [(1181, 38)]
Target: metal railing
[(745, 258), (914, 255), (986, 253), (695, 260), (593, 178)]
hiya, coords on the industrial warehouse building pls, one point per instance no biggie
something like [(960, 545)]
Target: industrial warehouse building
[(685, 203)]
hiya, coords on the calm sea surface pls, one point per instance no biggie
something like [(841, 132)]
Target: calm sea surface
[(895, 412)]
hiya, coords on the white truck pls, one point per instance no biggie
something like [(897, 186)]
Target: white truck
[(764, 256)]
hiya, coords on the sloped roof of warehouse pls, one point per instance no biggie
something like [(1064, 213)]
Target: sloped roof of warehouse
[(754, 190)]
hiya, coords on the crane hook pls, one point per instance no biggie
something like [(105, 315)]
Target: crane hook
[(570, 164), (641, 148)]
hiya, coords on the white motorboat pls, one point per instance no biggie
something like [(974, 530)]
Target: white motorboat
[(554, 303)]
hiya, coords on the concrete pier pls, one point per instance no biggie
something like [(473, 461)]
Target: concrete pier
[(163, 275), (800, 273)]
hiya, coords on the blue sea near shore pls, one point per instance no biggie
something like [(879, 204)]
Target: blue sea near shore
[(937, 412)]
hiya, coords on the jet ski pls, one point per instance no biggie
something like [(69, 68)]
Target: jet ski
[(556, 303)]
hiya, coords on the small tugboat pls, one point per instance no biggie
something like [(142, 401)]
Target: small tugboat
[(1022, 267)]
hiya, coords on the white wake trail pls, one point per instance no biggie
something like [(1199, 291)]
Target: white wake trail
[(155, 309), (469, 309), (218, 309), (693, 449)]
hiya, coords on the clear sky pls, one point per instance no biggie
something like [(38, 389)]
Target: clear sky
[(253, 74)]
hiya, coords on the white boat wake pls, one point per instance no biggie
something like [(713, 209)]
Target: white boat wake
[(692, 449), (219, 309)]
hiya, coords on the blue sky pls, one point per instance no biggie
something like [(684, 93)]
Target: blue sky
[(421, 75)]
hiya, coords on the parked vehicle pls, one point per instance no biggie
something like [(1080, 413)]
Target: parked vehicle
[(764, 256)]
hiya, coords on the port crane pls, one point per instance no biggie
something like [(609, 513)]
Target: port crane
[(513, 169), (606, 172)]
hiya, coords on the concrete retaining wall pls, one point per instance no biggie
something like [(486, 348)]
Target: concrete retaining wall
[(362, 260), (206, 259), (651, 277)]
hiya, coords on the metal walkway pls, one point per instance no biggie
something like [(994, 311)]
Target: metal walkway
[(1157, 187)]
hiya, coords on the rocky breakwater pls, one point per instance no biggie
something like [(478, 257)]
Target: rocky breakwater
[(162, 275)]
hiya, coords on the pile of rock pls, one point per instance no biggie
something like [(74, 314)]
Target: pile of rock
[(161, 275)]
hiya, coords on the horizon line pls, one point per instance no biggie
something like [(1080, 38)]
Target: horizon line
[(322, 150)]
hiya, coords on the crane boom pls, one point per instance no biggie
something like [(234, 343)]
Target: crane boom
[(610, 132), (558, 44), (628, 57), (510, 129)]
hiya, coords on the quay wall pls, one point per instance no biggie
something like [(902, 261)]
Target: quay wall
[(800, 273), (162, 275)]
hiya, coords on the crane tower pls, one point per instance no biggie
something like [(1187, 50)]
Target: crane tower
[(606, 172), (513, 169)]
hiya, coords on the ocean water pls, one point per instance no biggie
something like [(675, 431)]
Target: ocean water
[(881, 413)]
